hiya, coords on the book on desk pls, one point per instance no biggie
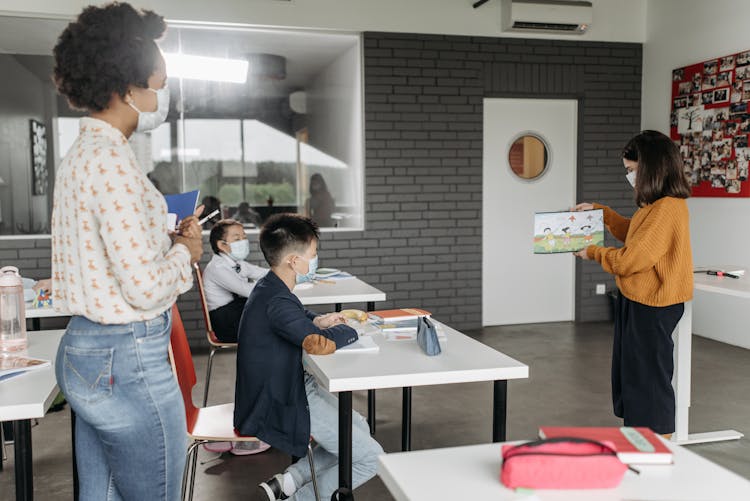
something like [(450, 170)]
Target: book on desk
[(633, 445), (12, 365), (398, 315)]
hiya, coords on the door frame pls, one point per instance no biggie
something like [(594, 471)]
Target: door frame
[(581, 100)]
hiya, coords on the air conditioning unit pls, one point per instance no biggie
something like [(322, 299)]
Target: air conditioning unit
[(546, 16)]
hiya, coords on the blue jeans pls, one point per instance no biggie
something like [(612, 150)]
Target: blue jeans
[(130, 428), (324, 419)]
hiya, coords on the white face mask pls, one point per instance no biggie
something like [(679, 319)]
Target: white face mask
[(150, 120), (311, 269), (630, 176), (240, 249)]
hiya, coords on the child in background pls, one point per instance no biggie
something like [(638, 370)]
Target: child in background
[(654, 272), (275, 399), (228, 279)]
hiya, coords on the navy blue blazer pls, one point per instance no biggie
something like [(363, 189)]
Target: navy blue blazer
[(270, 400)]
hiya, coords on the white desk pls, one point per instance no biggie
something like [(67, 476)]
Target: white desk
[(473, 472), (46, 312), (683, 341), (351, 290), (401, 364), (27, 397)]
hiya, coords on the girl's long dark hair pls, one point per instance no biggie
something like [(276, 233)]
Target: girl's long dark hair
[(660, 168)]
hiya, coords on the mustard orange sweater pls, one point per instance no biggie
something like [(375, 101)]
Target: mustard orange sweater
[(655, 266)]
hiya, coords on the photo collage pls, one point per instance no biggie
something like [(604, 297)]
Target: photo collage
[(710, 122)]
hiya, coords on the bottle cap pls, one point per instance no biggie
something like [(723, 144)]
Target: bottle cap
[(9, 277)]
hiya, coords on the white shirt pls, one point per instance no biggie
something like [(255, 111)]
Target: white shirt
[(224, 276), (112, 259)]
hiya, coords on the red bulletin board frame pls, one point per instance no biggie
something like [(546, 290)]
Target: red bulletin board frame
[(710, 122)]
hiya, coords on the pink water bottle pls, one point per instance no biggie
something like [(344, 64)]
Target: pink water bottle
[(12, 310)]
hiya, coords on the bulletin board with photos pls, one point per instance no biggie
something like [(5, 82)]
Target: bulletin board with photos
[(710, 122)]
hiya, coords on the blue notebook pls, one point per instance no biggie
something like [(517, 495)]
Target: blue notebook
[(180, 206)]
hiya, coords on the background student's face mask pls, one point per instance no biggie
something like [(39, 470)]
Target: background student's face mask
[(310, 275), (630, 176), (240, 249), (150, 120)]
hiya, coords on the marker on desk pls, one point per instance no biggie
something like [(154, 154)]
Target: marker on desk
[(721, 274)]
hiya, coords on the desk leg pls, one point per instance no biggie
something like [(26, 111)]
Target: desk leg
[(73, 448), (2, 445), (499, 410), (371, 410), (345, 440), (683, 340), (337, 307), (406, 419), (683, 348), (23, 465), (36, 325), (371, 393)]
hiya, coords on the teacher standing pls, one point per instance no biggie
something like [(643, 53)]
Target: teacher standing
[(114, 266), (654, 272)]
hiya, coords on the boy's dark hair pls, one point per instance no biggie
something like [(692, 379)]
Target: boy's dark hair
[(104, 51), (284, 233), (219, 232), (660, 169)]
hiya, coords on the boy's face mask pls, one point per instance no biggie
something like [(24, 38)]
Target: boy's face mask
[(312, 267)]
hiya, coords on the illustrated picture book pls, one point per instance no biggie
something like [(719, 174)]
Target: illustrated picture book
[(556, 232)]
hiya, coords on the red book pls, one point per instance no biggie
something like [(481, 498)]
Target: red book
[(400, 314), (645, 447)]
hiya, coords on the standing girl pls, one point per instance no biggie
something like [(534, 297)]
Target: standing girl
[(654, 272)]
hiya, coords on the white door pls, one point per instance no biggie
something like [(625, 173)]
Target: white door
[(517, 285)]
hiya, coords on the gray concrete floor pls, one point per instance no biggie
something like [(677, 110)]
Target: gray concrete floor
[(569, 385)]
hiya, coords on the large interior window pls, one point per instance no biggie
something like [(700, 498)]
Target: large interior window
[(261, 122)]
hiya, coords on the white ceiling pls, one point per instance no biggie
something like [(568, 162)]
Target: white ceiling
[(306, 52)]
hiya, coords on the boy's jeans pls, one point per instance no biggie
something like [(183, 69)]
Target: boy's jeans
[(130, 427), (324, 419)]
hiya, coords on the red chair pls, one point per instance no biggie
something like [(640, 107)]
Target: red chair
[(204, 424), (213, 341)]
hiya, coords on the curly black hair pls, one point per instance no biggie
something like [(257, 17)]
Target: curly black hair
[(106, 50)]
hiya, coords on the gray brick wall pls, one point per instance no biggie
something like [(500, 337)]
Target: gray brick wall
[(423, 126)]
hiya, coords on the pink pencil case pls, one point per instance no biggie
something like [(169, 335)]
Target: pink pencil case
[(562, 463)]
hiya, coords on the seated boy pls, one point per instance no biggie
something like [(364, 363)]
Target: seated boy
[(228, 279), (275, 400)]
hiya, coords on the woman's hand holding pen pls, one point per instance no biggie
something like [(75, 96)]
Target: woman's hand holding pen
[(189, 235), (189, 226)]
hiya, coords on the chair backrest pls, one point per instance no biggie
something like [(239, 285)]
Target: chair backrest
[(182, 364), (210, 334)]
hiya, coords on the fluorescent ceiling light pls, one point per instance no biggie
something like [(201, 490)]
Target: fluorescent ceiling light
[(206, 68)]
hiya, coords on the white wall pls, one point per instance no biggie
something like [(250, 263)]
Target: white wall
[(335, 126), (614, 20), (679, 33)]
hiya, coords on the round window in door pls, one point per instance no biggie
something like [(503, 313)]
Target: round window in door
[(528, 156)]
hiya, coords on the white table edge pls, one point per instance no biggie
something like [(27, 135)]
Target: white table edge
[(28, 411), (332, 299), (397, 492), (423, 379)]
